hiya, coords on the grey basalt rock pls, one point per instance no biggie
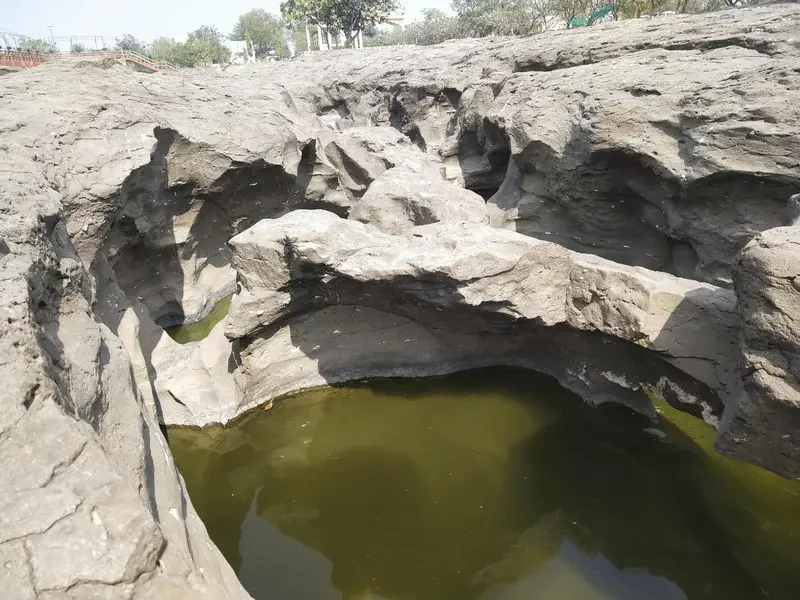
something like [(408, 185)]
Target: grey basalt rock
[(156, 174), (764, 428), (676, 137), (193, 381), (341, 165), (92, 503), (647, 160), (454, 295), (793, 210), (663, 143), (403, 197)]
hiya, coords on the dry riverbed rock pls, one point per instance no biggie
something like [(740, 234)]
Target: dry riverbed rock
[(454, 295), (402, 198), (667, 144), (664, 143), (92, 504), (765, 427)]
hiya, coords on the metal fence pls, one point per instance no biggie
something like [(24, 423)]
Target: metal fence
[(18, 58)]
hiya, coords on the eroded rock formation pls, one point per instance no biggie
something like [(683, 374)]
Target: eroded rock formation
[(664, 143), (92, 504), (668, 144), (764, 426), (357, 303), (403, 198)]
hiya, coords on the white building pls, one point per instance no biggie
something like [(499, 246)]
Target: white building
[(392, 21), (241, 52)]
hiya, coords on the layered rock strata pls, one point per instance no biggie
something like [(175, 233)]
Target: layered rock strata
[(325, 300), (765, 426), (92, 503), (663, 143)]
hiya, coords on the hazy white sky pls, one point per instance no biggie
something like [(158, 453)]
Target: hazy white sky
[(145, 19)]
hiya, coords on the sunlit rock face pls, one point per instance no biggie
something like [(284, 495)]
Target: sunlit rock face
[(331, 299), (765, 425), (665, 144)]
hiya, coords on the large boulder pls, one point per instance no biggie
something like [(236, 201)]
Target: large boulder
[(403, 197), (324, 300), (341, 165), (764, 428)]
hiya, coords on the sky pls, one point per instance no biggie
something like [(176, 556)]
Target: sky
[(145, 19)]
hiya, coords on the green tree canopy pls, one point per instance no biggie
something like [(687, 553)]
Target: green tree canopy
[(261, 28), (168, 49), (350, 16), (498, 17), (128, 43), (36, 45), (432, 15), (204, 47)]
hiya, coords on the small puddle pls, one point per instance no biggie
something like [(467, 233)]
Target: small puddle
[(493, 485), (194, 332)]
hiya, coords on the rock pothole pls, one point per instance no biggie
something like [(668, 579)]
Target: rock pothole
[(394, 214)]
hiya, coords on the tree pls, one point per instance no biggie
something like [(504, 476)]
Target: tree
[(498, 17), (76, 47), (204, 47), (128, 43), (432, 15), (261, 28), (350, 16), (38, 46), (166, 49)]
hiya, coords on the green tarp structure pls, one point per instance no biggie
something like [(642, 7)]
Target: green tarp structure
[(596, 17)]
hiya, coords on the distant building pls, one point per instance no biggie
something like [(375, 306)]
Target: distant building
[(396, 19), (240, 51), (392, 21)]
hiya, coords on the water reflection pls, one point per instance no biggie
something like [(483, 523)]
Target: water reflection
[(277, 566), (489, 485)]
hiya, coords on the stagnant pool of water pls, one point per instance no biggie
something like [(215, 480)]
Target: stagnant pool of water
[(194, 332), (493, 485)]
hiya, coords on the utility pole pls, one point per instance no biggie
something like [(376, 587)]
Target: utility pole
[(52, 39)]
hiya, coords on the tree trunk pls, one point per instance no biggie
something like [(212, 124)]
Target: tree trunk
[(349, 37)]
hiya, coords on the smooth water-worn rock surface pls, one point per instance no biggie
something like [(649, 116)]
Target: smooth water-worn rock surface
[(358, 303), (490, 484)]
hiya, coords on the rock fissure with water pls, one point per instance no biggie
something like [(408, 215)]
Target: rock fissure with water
[(612, 206)]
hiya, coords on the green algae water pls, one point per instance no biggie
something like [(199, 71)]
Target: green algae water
[(194, 332), (493, 485)]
